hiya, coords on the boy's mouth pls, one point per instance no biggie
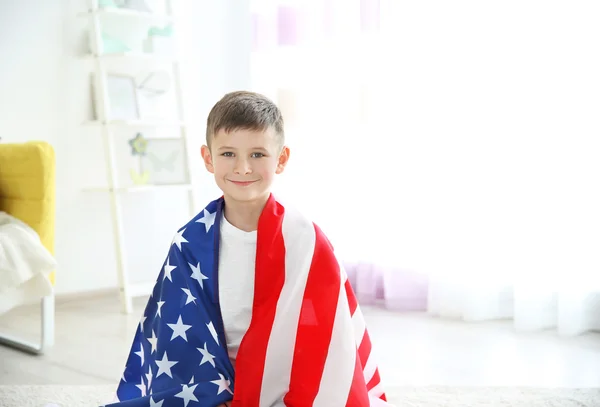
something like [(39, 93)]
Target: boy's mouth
[(242, 183)]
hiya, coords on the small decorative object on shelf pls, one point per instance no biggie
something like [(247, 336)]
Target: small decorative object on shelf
[(159, 41), (139, 178), (112, 45), (138, 144), (138, 5), (107, 4)]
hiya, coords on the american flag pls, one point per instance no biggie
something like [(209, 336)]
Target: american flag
[(307, 344)]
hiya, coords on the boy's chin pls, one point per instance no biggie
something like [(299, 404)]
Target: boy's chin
[(246, 196)]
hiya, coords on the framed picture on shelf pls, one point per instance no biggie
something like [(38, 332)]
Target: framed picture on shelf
[(156, 95), (149, 156), (166, 161), (122, 98)]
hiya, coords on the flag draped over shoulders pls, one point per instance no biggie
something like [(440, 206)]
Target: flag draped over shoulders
[(307, 343)]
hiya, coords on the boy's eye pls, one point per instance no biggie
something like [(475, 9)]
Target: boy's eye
[(227, 154), (257, 155)]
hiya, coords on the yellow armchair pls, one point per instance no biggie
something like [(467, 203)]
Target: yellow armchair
[(27, 192)]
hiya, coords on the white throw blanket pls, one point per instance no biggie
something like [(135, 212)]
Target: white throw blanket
[(25, 264)]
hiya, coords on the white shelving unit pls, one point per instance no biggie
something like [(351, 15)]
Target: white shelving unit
[(97, 11), (95, 16)]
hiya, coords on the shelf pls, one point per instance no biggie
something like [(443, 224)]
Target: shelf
[(136, 123), (142, 188), (143, 56), (124, 12)]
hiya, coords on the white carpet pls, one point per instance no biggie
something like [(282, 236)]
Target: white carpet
[(433, 396)]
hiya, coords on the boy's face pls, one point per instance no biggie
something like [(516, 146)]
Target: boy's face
[(245, 162)]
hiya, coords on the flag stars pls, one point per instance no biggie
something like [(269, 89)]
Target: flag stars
[(164, 366), (149, 377), (213, 332), (179, 329), (178, 239), (156, 403), (190, 297), (142, 387), (187, 394), (208, 219), (142, 323), (223, 384), (140, 353), (153, 342), (197, 274), (159, 305), (168, 269), (206, 356)]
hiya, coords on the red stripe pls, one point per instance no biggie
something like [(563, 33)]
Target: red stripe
[(364, 350), (352, 302), (374, 380), (269, 280), (315, 325), (358, 396)]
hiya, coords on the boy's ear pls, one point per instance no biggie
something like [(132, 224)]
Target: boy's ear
[(284, 157), (206, 156)]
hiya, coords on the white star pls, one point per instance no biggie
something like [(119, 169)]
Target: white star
[(211, 328), (222, 383), (123, 377), (168, 269), (140, 353), (187, 394), (156, 403), (153, 342), (141, 387), (191, 380), (179, 329), (208, 219), (178, 239), (142, 323), (164, 366), (197, 274), (206, 356), (149, 377), (190, 297), (159, 304)]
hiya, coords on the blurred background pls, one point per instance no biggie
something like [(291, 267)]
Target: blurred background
[(449, 149)]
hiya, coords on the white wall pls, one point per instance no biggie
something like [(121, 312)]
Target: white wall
[(45, 95)]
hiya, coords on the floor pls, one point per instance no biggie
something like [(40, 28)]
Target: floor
[(93, 339)]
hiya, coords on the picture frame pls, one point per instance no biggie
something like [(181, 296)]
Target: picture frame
[(138, 5), (122, 98), (156, 95)]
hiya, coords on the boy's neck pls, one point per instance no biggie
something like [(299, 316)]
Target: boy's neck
[(244, 215)]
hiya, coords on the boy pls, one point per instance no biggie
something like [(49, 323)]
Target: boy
[(251, 296)]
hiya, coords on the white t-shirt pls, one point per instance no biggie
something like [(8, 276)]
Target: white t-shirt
[(237, 258)]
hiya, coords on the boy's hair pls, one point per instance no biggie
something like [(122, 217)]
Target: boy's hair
[(244, 110)]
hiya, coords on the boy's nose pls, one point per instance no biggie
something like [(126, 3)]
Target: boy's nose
[(242, 167)]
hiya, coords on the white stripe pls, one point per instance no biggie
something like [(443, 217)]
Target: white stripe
[(375, 402), (357, 319), (376, 391), (299, 240), (343, 274), (341, 358), (370, 368), (359, 326)]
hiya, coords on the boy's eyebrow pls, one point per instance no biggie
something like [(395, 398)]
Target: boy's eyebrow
[(233, 148)]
